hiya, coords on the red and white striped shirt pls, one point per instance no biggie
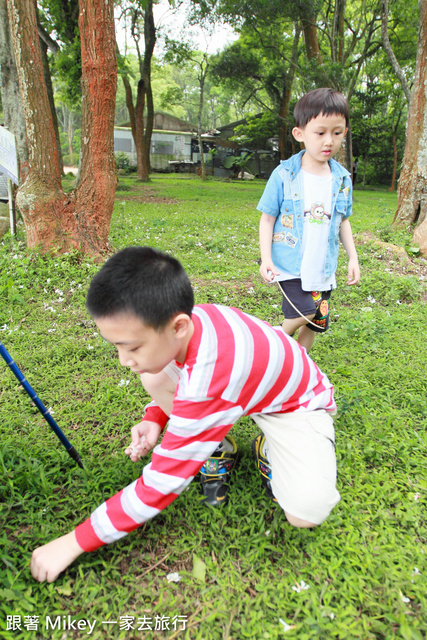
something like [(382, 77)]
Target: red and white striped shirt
[(236, 365)]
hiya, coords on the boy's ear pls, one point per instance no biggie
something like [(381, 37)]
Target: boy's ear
[(181, 324), (297, 133)]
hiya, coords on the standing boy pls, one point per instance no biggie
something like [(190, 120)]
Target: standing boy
[(205, 367), (305, 208)]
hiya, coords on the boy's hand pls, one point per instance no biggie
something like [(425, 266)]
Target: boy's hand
[(353, 273), (268, 271), (145, 435), (48, 561)]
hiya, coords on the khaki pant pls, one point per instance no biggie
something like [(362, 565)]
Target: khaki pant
[(302, 454)]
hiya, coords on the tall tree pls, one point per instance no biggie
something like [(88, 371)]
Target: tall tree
[(338, 38), (390, 53), (412, 199), (53, 219), (141, 113), (184, 55), (263, 64)]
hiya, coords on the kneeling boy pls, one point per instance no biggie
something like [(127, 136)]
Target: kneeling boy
[(205, 367)]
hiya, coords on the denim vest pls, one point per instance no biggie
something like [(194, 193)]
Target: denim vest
[(283, 198)]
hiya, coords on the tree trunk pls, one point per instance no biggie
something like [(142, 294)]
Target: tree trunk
[(412, 191), (393, 177), (365, 166), (204, 68), (150, 41), (80, 220), (136, 115), (142, 132), (284, 119), (70, 135), (309, 28), (390, 53), (49, 87), (199, 135), (286, 95), (395, 129), (146, 137), (11, 100)]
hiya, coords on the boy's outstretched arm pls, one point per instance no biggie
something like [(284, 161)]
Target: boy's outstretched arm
[(347, 240), (48, 561), (267, 268)]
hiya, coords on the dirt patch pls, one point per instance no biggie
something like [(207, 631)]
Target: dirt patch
[(394, 256), (147, 196), (147, 199)]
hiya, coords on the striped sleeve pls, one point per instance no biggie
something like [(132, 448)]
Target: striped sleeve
[(236, 365), (155, 414), (186, 445)]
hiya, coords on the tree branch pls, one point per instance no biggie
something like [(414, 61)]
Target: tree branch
[(387, 46)]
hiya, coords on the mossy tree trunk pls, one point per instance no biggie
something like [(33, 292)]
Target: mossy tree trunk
[(412, 191), (53, 219)]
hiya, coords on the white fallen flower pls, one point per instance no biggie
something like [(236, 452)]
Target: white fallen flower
[(302, 586), (404, 598), (416, 572), (173, 577), (286, 626), (123, 383)]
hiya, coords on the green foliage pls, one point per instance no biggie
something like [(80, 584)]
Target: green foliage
[(238, 163), (124, 163), (255, 132), (67, 65), (376, 111), (365, 566)]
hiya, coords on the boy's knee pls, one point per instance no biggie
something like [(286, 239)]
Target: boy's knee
[(298, 522), (312, 509), (161, 388), (153, 383), (291, 325)]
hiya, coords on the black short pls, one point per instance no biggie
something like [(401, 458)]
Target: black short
[(307, 303)]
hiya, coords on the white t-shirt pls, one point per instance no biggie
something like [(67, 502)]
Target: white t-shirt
[(317, 220)]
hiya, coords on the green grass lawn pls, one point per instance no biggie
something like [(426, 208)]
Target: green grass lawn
[(241, 566)]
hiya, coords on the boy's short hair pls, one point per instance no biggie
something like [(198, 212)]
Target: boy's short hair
[(144, 282), (324, 101)]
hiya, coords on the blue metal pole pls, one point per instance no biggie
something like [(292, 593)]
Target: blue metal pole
[(39, 404)]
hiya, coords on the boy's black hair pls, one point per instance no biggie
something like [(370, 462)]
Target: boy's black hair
[(324, 101), (142, 281)]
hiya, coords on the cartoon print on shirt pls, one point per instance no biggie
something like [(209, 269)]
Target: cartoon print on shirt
[(317, 213), (344, 190), (286, 237), (287, 220)]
